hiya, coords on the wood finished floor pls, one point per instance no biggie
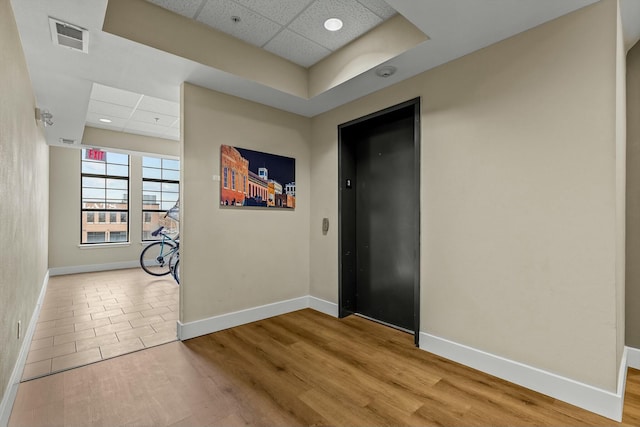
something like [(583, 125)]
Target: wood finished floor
[(302, 368), (90, 317)]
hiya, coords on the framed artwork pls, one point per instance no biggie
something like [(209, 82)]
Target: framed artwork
[(251, 178)]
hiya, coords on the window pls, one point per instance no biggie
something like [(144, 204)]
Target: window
[(118, 236), (105, 191), (226, 178), (160, 192), (95, 237), (233, 179)]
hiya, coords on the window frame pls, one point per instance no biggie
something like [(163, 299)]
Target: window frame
[(162, 180), (102, 212)]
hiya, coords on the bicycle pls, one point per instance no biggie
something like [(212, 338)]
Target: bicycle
[(161, 258)]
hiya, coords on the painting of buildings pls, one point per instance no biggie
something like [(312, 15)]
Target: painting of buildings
[(254, 178)]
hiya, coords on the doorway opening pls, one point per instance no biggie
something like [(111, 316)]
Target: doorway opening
[(379, 217)]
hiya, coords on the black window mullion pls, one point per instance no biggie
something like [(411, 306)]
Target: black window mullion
[(106, 200)]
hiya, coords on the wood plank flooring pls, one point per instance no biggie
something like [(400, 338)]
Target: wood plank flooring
[(302, 368)]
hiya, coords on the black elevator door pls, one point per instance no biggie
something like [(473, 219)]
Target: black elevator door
[(385, 232)]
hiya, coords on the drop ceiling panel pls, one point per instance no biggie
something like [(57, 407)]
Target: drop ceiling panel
[(296, 48), (114, 95), (282, 11), (253, 27), (263, 21), (145, 128), (357, 21), (161, 106), (117, 123), (109, 109), (187, 8), (379, 7), (153, 118), (140, 118)]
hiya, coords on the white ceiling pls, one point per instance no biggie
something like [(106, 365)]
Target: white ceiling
[(63, 79), (292, 29), (132, 112)]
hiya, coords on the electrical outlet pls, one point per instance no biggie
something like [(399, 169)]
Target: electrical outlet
[(19, 329)]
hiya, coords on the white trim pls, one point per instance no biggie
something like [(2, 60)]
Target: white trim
[(323, 306), (12, 388), (90, 268), (84, 246), (622, 382), (225, 321), (633, 357), (585, 396), (237, 318)]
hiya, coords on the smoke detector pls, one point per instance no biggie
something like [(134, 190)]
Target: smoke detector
[(69, 35), (386, 71)]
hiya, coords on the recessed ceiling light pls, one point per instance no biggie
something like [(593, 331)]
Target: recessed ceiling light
[(105, 120), (333, 24)]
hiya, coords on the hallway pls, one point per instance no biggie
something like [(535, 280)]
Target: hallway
[(90, 317)]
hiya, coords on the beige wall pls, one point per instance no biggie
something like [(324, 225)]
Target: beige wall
[(64, 207), (386, 41), (23, 196), (632, 296), (233, 259), (518, 241)]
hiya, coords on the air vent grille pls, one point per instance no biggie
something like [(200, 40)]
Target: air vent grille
[(69, 35), (68, 141)]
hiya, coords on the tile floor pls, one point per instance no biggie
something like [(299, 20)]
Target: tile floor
[(90, 317)]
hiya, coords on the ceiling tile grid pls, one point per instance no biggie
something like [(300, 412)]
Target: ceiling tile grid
[(161, 106), (379, 7), (296, 48), (114, 96), (133, 112), (292, 29), (282, 11), (357, 21), (110, 109), (252, 28)]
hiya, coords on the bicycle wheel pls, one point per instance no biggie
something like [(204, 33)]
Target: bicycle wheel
[(176, 272), (154, 259)]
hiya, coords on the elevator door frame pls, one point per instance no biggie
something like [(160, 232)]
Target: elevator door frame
[(346, 286)]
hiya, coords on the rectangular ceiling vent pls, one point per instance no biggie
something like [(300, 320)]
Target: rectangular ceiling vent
[(69, 35), (68, 141)]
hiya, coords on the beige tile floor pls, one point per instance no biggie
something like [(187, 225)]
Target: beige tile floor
[(90, 317)]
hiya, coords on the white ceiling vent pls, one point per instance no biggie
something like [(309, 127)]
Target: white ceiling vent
[(69, 35), (68, 141)]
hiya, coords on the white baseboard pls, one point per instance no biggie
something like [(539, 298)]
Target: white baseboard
[(633, 357), (591, 398), (225, 321), (90, 268), (14, 381), (323, 306)]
